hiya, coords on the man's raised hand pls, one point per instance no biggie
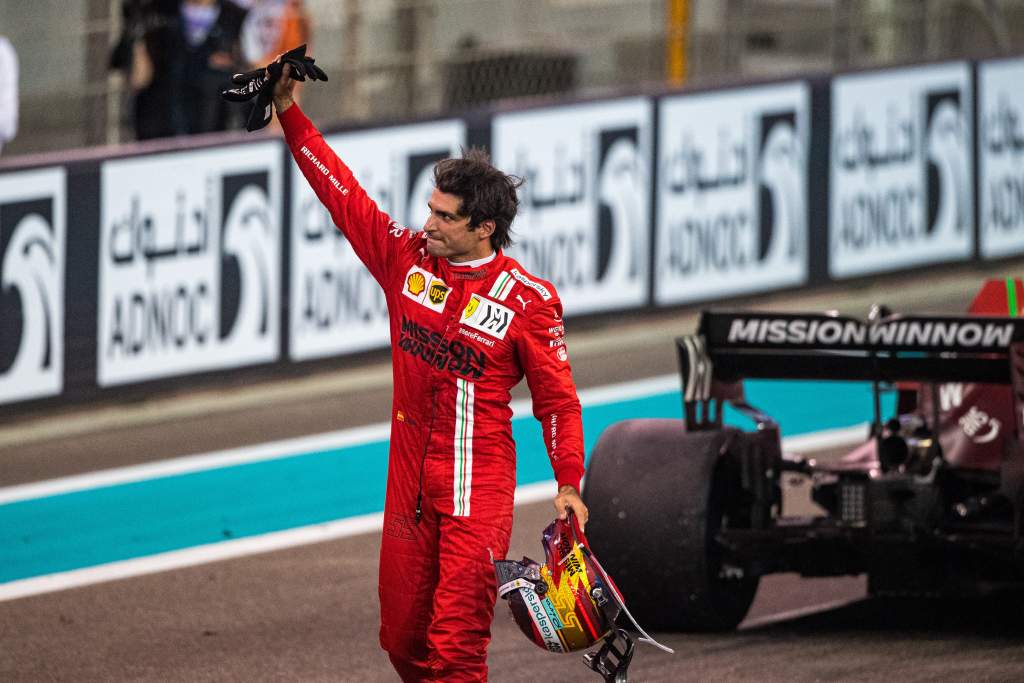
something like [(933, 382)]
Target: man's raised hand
[(259, 84)]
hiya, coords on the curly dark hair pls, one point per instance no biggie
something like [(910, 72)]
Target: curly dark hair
[(486, 192)]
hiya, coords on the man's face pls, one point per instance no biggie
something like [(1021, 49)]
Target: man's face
[(448, 233)]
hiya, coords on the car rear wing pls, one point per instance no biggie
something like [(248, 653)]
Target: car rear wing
[(731, 346)]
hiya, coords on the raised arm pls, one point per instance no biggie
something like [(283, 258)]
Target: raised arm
[(371, 232)]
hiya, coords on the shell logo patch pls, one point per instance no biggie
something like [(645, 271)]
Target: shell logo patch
[(487, 316), (425, 288), (415, 283)]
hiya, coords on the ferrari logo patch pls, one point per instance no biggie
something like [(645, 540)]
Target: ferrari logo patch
[(487, 316)]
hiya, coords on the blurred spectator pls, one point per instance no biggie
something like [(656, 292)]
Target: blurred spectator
[(211, 30), (273, 27), (177, 56), (8, 92), (149, 54)]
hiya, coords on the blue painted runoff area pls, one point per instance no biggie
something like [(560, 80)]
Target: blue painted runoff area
[(110, 523)]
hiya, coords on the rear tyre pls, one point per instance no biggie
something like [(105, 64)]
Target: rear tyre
[(657, 497)]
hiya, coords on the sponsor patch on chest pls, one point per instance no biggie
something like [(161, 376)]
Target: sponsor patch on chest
[(535, 286), (425, 288), (487, 316)]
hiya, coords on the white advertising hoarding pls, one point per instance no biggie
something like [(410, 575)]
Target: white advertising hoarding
[(336, 305), (1001, 157), (33, 239), (584, 211), (732, 193), (189, 262), (900, 176)]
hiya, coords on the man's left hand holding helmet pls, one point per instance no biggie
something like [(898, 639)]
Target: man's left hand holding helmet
[(568, 499)]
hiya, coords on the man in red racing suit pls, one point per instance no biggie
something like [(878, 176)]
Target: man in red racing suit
[(467, 323)]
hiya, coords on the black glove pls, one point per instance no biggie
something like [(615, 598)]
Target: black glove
[(252, 82), (260, 83), (302, 66)]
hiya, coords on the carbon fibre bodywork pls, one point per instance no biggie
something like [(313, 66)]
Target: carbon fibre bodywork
[(932, 502)]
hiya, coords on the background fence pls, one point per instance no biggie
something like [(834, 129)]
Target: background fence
[(393, 59)]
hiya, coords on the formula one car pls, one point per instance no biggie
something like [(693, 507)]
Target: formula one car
[(688, 514)]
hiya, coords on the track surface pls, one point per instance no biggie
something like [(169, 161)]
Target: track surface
[(310, 613)]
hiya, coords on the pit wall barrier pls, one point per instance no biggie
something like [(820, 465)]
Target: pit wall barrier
[(147, 269)]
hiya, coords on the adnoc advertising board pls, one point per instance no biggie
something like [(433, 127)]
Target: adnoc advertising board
[(900, 169), (732, 193), (1001, 157), (584, 216), (33, 239), (189, 262)]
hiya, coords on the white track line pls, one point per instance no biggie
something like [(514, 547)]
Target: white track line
[(225, 550), (290, 447), (316, 533), (190, 557), (195, 463)]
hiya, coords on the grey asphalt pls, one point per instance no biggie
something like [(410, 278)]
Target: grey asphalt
[(310, 613)]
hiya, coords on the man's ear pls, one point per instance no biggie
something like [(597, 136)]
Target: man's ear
[(485, 229)]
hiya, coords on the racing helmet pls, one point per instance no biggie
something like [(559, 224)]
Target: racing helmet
[(566, 604)]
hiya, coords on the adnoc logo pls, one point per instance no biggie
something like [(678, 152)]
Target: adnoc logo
[(249, 249), (946, 147), (32, 247)]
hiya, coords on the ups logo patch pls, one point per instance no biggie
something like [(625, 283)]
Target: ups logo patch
[(438, 292)]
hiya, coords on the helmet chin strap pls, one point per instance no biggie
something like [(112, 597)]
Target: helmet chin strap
[(612, 660)]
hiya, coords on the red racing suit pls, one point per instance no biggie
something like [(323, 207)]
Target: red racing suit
[(462, 335)]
